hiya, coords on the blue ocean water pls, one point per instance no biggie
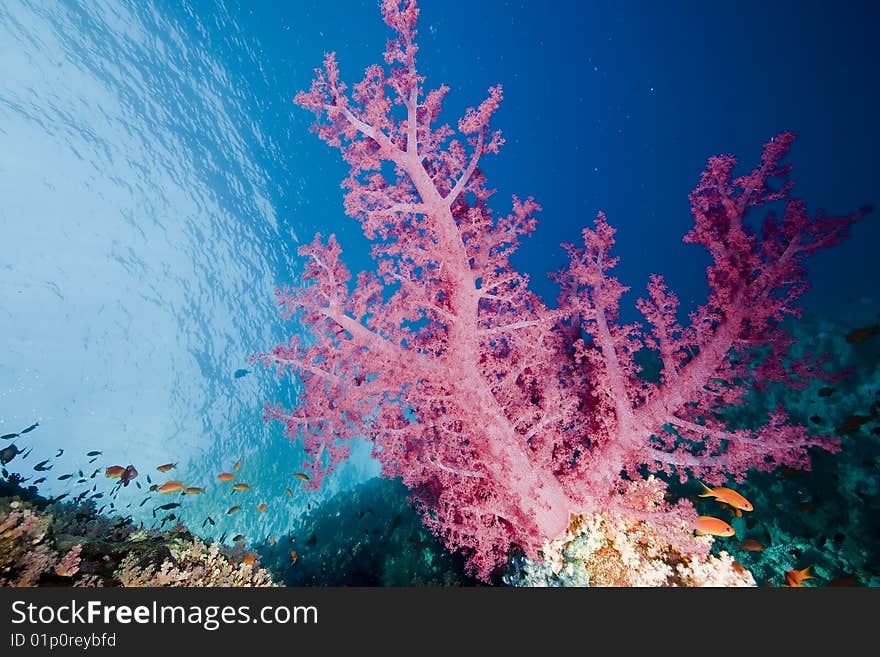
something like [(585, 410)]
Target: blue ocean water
[(156, 180)]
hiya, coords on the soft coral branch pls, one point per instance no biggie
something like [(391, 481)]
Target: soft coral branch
[(506, 418)]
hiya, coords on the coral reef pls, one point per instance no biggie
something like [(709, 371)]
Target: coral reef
[(615, 550), (192, 563), (64, 544)]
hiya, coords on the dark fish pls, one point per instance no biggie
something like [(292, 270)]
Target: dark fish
[(93, 460), (31, 428), (81, 481), (39, 481), (862, 334), (222, 538), (240, 373), (9, 436), (852, 424), (138, 484), (128, 475), (816, 419), (149, 481), (210, 519), (826, 391), (233, 509), (145, 500), (168, 507), (8, 453), (41, 466), (93, 453), (60, 452), (237, 538), (65, 476), (97, 496), (59, 498), (95, 473), (27, 453), (101, 510)]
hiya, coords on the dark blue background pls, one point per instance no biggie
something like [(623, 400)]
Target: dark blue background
[(616, 106)]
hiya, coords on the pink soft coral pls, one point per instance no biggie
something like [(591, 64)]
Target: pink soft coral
[(505, 417)]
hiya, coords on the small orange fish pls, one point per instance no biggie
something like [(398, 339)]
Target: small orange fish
[(225, 476), (797, 577), (713, 526), (170, 487), (240, 487), (302, 476), (263, 506), (728, 496), (739, 568), (237, 465), (293, 556), (250, 559), (751, 545), (114, 471), (194, 490), (289, 492), (272, 541), (233, 509), (166, 467)]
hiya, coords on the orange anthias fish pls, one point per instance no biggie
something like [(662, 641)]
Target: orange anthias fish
[(289, 492), (250, 559), (237, 465), (194, 490), (713, 526), (302, 476), (170, 487), (263, 506), (114, 471), (728, 496), (797, 577), (751, 545), (233, 509), (240, 487), (166, 467), (225, 476)]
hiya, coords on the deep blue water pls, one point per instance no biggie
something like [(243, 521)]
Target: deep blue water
[(156, 180)]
